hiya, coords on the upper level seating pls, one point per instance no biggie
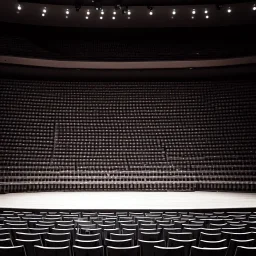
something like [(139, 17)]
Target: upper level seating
[(120, 136), (41, 246), (126, 44)]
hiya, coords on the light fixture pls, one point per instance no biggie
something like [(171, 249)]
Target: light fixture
[(207, 16), (102, 12), (173, 12), (67, 11), (150, 10), (129, 12), (101, 17), (114, 12), (88, 12), (129, 18), (192, 17), (86, 17), (194, 11), (19, 7), (229, 10), (44, 10), (66, 16), (43, 14), (205, 11), (254, 7), (113, 18)]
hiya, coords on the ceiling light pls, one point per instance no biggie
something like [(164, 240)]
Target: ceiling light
[(151, 13), (193, 11), (67, 11), (86, 17), (173, 12), (205, 11), (254, 8), (192, 17), (229, 10), (88, 12), (114, 12), (113, 18), (102, 12), (207, 16), (43, 14), (19, 7), (44, 10), (101, 17), (129, 12), (129, 18), (150, 10)]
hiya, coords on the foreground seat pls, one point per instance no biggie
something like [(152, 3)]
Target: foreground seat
[(147, 247), (88, 251), (119, 243), (213, 244), (169, 251), (196, 251), (29, 245), (123, 251), (12, 251), (87, 243), (186, 243), (245, 251), (235, 243), (52, 251), (6, 242)]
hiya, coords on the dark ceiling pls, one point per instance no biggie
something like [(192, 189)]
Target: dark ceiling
[(13, 11), (136, 2)]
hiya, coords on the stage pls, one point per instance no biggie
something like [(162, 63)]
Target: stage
[(128, 200)]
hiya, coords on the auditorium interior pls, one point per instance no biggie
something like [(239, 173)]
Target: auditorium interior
[(127, 128)]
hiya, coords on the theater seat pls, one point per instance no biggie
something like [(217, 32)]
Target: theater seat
[(245, 251), (169, 251), (88, 251), (123, 251), (6, 242), (13, 251), (52, 251), (196, 251), (147, 247)]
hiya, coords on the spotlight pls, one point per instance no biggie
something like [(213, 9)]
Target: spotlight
[(44, 10), (102, 12), (194, 11), (205, 11), (113, 18), (129, 12), (114, 12), (101, 17), (86, 17), (173, 12), (254, 8), (207, 16), (88, 12), (43, 14), (19, 7), (67, 11), (229, 10)]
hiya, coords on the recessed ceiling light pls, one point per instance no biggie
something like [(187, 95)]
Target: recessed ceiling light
[(129, 12), (173, 12), (102, 12), (229, 10), (19, 7), (44, 10), (207, 16), (43, 14), (88, 12), (193, 11), (86, 17), (101, 17), (67, 11), (205, 11), (114, 12), (254, 8), (113, 18), (192, 17)]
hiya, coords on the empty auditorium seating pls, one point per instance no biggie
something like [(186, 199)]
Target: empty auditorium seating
[(127, 136)]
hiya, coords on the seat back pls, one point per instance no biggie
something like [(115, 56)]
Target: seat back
[(147, 247), (186, 243), (87, 243), (57, 243), (210, 237), (196, 251), (6, 242), (29, 245), (124, 251), (118, 243), (181, 236), (169, 251), (245, 251), (150, 236), (13, 251), (88, 251), (234, 243), (52, 251), (121, 236), (213, 244)]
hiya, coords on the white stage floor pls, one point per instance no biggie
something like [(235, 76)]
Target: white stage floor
[(128, 200)]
